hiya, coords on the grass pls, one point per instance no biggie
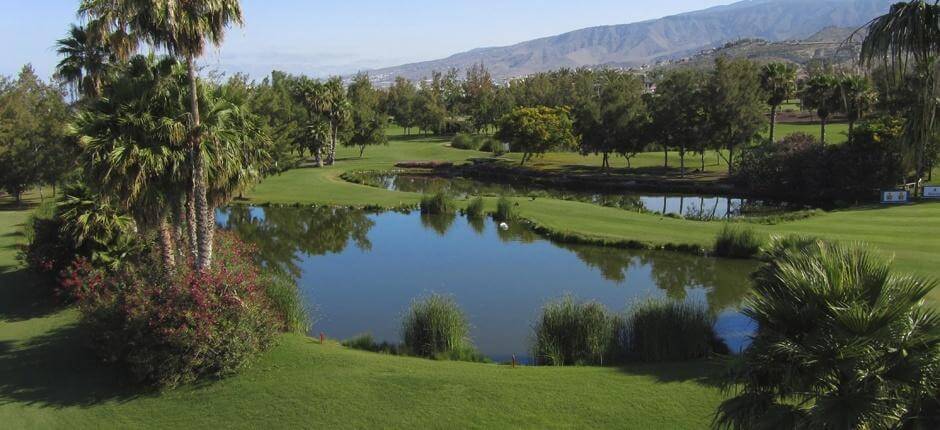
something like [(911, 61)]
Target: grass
[(437, 204), (435, 327), (48, 379), (505, 210), (737, 242), (666, 330), (573, 333), (476, 209)]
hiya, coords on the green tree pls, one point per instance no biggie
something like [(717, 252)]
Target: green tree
[(611, 116), (368, 123), (85, 61), (183, 29), (400, 103), (479, 96), (534, 131), (858, 98), (33, 115), (906, 37), (680, 113), (823, 94), (841, 343), (778, 80), (736, 108)]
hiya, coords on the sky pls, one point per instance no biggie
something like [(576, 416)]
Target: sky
[(320, 38)]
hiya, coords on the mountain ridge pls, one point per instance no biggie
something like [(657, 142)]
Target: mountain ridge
[(646, 42)]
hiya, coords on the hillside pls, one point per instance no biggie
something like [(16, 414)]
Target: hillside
[(647, 42)]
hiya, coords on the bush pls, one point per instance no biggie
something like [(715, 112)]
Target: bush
[(570, 333), (778, 246), (800, 168), (737, 242), (476, 208), (169, 330), (841, 342), (435, 327), (505, 210), (465, 141), (438, 203), (666, 330)]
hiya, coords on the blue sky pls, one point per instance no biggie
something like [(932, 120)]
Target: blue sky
[(325, 37)]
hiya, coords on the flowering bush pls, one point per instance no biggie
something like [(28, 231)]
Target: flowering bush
[(170, 329)]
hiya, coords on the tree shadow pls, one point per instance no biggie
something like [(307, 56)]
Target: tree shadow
[(711, 372), (23, 296), (55, 370)]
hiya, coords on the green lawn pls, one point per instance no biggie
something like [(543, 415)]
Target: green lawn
[(835, 133), (48, 379)]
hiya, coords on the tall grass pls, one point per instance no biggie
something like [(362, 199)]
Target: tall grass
[(285, 299), (476, 208), (505, 210), (573, 333), (438, 203), (737, 242), (780, 246), (435, 327), (666, 330), (366, 342)]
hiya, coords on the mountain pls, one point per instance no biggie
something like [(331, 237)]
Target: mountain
[(647, 42)]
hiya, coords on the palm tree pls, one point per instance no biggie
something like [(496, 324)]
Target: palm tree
[(841, 343), (184, 29), (133, 143), (330, 103), (858, 98), (909, 34), (779, 82), (821, 93), (84, 62)]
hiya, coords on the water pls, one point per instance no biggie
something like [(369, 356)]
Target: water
[(361, 271), (690, 206)]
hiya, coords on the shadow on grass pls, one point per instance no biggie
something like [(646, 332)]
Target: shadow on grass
[(23, 296), (56, 370), (710, 373)]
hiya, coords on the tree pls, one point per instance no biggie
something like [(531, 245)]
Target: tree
[(331, 105), (33, 115), (284, 117), (680, 113), (610, 117), (778, 80), (537, 130), (400, 103), (184, 30), (909, 34), (479, 96), (822, 93), (858, 98), (736, 108), (368, 124), (431, 107), (841, 343), (85, 61)]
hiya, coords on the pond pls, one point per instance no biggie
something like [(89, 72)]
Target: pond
[(702, 207), (360, 271)]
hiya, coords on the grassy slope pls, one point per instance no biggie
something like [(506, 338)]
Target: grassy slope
[(48, 379)]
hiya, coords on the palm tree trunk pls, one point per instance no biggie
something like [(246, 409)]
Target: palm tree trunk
[(167, 247), (190, 218), (773, 121), (203, 228), (822, 130)]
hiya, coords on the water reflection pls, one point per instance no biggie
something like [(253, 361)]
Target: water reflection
[(501, 278), (694, 207)]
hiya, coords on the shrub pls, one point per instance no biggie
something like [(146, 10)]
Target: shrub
[(505, 210), (435, 327), (476, 208), (841, 342), (778, 246), (737, 242), (666, 330), (571, 333), (438, 203), (465, 141), (169, 330)]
